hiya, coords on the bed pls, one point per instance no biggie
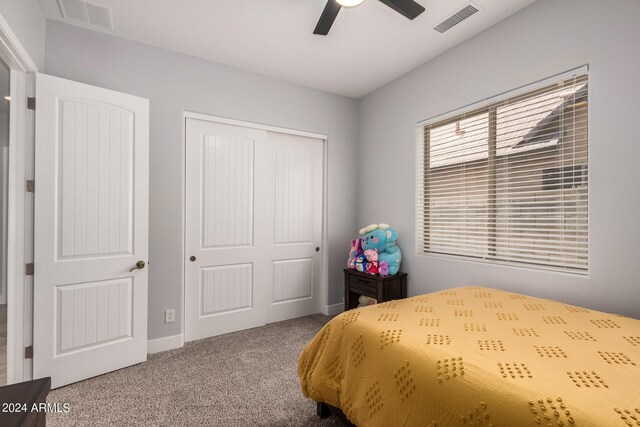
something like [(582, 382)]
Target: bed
[(475, 356)]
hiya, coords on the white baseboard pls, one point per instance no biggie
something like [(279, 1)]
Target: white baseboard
[(332, 310), (165, 343)]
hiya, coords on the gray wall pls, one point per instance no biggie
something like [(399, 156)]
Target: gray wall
[(547, 38), (26, 20), (544, 39), (174, 83)]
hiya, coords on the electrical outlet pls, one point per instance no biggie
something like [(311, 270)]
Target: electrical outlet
[(170, 316)]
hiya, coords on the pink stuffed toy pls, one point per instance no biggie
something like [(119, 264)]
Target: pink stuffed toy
[(372, 261), (383, 268), (356, 249)]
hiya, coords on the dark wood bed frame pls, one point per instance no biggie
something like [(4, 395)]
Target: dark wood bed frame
[(325, 411)]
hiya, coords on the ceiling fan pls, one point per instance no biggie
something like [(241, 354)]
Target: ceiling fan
[(408, 8)]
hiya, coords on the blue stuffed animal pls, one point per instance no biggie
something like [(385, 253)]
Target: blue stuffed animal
[(383, 238), (361, 263)]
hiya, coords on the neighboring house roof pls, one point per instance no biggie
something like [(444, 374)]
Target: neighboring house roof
[(527, 125)]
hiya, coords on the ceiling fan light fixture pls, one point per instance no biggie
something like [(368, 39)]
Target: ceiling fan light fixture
[(349, 3), (408, 8)]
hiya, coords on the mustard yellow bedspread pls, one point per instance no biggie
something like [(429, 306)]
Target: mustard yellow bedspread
[(477, 357)]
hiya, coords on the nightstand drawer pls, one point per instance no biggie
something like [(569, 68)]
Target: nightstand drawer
[(364, 286)]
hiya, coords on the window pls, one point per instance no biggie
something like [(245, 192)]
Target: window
[(507, 181)]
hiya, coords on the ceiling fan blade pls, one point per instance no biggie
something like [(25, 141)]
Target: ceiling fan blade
[(328, 16), (408, 8)]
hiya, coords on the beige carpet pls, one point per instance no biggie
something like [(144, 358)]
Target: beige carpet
[(242, 379)]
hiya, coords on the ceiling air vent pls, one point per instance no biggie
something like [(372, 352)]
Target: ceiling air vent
[(87, 13), (456, 18)]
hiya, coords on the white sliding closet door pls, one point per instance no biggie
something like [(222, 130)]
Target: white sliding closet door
[(253, 223), (294, 218), (225, 229)]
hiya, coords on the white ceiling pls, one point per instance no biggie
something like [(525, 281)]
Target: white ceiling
[(368, 46)]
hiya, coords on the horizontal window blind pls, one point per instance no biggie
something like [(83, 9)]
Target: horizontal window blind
[(508, 181)]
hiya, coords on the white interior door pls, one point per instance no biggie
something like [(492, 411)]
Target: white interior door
[(91, 229), (253, 221)]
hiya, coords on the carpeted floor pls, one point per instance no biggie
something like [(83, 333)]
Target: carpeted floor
[(247, 378)]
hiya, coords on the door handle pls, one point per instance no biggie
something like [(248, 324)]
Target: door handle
[(139, 266)]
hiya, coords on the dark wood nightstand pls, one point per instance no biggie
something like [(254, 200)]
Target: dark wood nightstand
[(381, 288), (28, 393)]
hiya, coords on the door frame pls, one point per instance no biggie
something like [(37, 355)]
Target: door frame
[(323, 299), (20, 206)]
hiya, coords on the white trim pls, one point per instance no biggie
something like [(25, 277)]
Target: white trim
[(12, 51), (419, 145), (165, 343), (183, 224), (15, 227), (332, 310), (4, 191), (252, 125), (509, 94), (19, 238), (324, 246)]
